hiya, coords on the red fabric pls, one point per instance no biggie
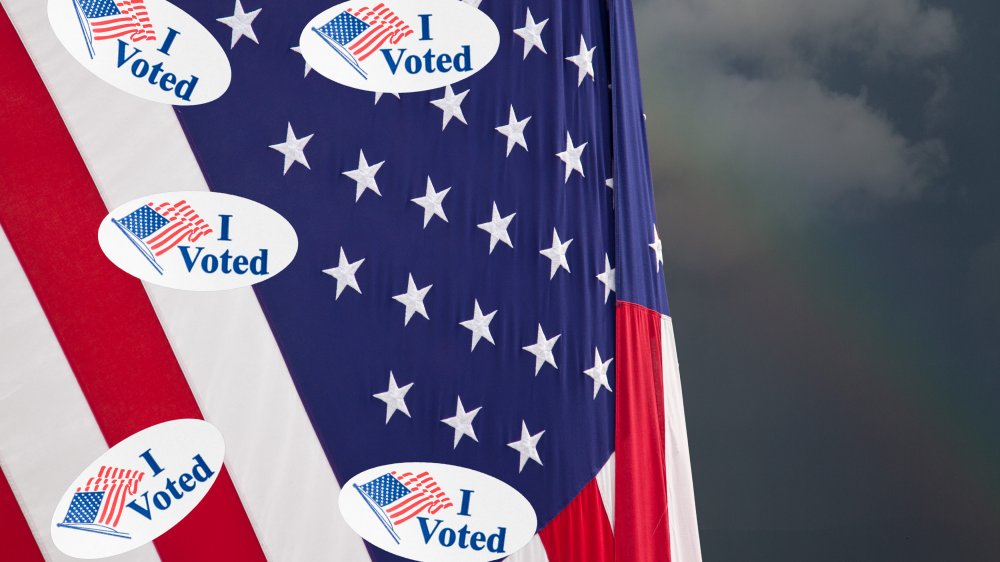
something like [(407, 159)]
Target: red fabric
[(581, 532), (641, 525), (18, 542), (50, 210)]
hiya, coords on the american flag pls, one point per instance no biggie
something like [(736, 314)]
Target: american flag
[(363, 31), (113, 487), (488, 301), (111, 19), (406, 495), (165, 225)]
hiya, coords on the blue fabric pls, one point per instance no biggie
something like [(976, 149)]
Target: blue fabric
[(638, 279), (340, 351)]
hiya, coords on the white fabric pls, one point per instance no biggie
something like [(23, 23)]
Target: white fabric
[(534, 551), (42, 409), (606, 485), (685, 545), (221, 339)]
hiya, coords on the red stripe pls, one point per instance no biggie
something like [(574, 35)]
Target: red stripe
[(581, 531), (101, 316), (641, 525), (18, 542), (163, 233)]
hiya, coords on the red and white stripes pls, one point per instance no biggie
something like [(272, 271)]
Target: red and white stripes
[(385, 27), (118, 484), (425, 495), (132, 23), (185, 225)]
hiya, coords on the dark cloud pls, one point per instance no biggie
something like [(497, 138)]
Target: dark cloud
[(826, 186), (744, 96)]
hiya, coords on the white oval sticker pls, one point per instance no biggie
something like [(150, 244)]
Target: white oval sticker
[(139, 489), (439, 512), (197, 240), (148, 48), (399, 45)]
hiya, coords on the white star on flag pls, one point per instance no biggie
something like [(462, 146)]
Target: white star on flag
[(583, 61), (542, 350), (462, 423), (364, 176), (497, 227), (557, 254), (608, 278), (657, 247), (293, 149), (378, 95), (345, 273), (432, 202), (527, 446), (298, 50), (394, 398), (450, 106), (532, 34), (514, 131), (599, 372), (241, 23), (572, 157), (413, 300), (479, 325)]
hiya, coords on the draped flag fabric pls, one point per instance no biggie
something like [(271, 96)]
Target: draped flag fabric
[(479, 282)]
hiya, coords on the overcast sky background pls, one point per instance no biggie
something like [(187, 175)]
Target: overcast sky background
[(826, 176)]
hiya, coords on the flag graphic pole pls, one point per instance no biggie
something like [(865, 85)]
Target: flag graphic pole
[(146, 253), (344, 55), (378, 513), (84, 29)]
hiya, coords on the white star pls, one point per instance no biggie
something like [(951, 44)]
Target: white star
[(344, 273), (378, 95), (557, 254), (364, 176), (298, 50), (413, 300), (599, 372), (293, 149), (394, 398), (431, 202), (532, 34), (450, 106), (241, 23), (462, 422), (609, 183), (497, 227), (479, 325), (542, 350), (584, 61), (527, 446), (572, 157), (608, 278), (514, 131), (473, 3), (657, 247)]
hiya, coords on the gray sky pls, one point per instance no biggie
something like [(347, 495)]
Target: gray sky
[(827, 197)]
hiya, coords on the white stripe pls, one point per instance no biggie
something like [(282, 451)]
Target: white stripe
[(606, 484), (221, 339), (534, 551), (685, 545), (48, 434)]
